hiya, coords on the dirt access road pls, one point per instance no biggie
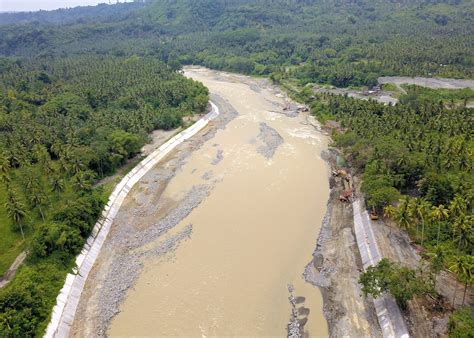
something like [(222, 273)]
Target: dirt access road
[(387, 97), (434, 83)]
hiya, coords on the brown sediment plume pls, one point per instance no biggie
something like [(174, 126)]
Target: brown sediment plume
[(252, 232)]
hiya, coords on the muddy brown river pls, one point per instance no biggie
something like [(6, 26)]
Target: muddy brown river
[(251, 236)]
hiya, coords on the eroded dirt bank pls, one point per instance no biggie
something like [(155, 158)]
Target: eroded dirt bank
[(210, 240), (337, 265)]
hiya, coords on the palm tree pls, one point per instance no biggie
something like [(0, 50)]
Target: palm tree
[(64, 166), (49, 167), (437, 260), (36, 198), (5, 178), (41, 154), (76, 165), (457, 208), (4, 164), (4, 169), (439, 213), (30, 181), (389, 211), (412, 210), (57, 184), (463, 268), (82, 181), (15, 210), (465, 226), (56, 148), (422, 211), (402, 216)]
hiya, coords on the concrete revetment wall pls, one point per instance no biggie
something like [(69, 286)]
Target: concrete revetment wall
[(68, 299)]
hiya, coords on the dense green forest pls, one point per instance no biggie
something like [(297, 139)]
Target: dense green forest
[(80, 90), (416, 161), (342, 42), (421, 148), (419, 154), (63, 125)]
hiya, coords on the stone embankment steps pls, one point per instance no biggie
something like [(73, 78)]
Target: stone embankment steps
[(68, 299), (388, 313)]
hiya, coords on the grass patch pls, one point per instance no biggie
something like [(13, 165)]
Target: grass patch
[(390, 87)]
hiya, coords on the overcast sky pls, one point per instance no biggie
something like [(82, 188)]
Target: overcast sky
[(34, 5)]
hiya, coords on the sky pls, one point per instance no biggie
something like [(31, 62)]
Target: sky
[(34, 5)]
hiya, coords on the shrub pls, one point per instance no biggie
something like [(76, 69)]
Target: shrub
[(461, 323)]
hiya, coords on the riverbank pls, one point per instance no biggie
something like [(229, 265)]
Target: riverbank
[(227, 191), (67, 301), (426, 315), (118, 265), (336, 267)]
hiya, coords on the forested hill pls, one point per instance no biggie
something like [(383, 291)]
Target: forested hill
[(343, 42), (80, 89), (81, 14)]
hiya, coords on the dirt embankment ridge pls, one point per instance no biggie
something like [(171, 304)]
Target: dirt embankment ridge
[(336, 267)]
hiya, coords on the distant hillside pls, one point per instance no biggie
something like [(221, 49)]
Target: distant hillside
[(343, 42), (82, 14)]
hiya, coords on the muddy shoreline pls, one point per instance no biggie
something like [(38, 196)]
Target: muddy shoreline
[(120, 263), (336, 267), (127, 246)]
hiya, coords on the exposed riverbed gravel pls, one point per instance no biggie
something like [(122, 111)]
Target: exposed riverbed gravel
[(271, 140), (121, 260)]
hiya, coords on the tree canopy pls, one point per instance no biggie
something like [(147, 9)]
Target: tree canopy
[(341, 42), (64, 123)]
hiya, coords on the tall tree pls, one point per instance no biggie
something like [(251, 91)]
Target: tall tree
[(463, 268), (440, 214), (403, 216), (4, 169), (16, 210), (36, 198)]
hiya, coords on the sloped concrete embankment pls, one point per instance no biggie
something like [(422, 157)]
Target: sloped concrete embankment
[(388, 312), (69, 296)]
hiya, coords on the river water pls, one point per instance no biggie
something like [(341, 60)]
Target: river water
[(252, 236)]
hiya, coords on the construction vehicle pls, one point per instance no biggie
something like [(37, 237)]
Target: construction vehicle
[(346, 195)]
